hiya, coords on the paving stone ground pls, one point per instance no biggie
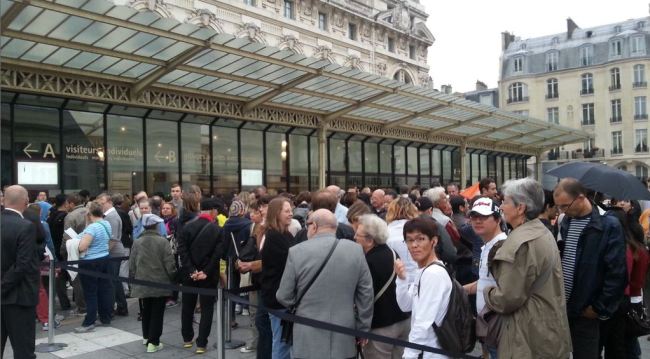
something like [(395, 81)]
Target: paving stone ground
[(123, 339)]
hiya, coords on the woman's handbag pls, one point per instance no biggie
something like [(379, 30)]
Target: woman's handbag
[(637, 322), (287, 326)]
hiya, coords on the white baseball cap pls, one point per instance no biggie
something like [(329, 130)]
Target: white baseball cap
[(484, 206)]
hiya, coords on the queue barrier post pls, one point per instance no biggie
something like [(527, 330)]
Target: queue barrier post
[(229, 342), (219, 345), (50, 346)]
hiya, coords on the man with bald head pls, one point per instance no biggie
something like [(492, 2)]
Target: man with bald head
[(341, 211), (377, 200), (20, 274), (345, 276)]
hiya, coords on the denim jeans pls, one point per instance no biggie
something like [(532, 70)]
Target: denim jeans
[(265, 335), (98, 292), (281, 350)]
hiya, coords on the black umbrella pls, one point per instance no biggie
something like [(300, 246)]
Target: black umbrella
[(605, 179)]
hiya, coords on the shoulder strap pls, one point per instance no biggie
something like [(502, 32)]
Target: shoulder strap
[(388, 282), (234, 244), (425, 268), (313, 279), (106, 229)]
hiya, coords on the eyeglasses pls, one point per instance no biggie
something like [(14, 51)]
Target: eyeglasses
[(412, 241), (565, 207)]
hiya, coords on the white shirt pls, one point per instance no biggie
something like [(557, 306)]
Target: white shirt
[(396, 242), (427, 307), (341, 213), (485, 278)]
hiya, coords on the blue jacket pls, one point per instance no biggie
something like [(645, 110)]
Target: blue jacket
[(600, 274)]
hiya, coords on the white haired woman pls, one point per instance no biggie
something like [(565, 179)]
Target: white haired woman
[(530, 289), (388, 319)]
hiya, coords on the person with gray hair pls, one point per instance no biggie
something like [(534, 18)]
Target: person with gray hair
[(341, 211), (388, 319), (529, 291)]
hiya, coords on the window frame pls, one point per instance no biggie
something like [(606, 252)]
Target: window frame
[(352, 31), (553, 115), (517, 92), (640, 108), (552, 60), (552, 88), (617, 142), (640, 140), (616, 111), (586, 57), (588, 118), (518, 64), (390, 44), (323, 23), (289, 5), (615, 47), (637, 45), (587, 83), (614, 78)]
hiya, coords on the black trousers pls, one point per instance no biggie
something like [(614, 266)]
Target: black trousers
[(187, 314), (18, 325), (153, 313), (585, 335)]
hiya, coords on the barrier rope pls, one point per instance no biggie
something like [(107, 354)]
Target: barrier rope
[(233, 295)]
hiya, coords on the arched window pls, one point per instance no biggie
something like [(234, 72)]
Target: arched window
[(615, 79), (403, 76), (587, 84), (552, 88), (517, 92)]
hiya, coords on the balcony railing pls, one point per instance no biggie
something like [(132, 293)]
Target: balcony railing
[(643, 116), (617, 151), (643, 84), (552, 95), (518, 99), (641, 148), (588, 122), (587, 91), (592, 153), (615, 87), (615, 119)]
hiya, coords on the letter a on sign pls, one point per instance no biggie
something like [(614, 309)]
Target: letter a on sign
[(49, 150)]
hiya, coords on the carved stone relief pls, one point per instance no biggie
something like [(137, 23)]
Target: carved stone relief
[(157, 6), (291, 43), (205, 18), (252, 31)]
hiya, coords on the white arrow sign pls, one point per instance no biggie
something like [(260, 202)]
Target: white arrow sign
[(26, 150), (157, 156)]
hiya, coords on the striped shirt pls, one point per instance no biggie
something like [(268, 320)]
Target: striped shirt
[(576, 226)]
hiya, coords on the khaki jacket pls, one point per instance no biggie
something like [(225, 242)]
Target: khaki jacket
[(151, 260), (535, 323)]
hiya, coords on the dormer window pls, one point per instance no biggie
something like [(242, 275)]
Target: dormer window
[(552, 58), (518, 64), (555, 40), (586, 55), (617, 29), (640, 25), (637, 45), (615, 48), (523, 46)]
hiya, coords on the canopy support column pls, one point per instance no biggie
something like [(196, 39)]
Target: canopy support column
[(322, 153), (538, 166)]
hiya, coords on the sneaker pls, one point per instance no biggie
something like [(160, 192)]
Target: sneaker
[(245, 312), (200, 350), (121, 312), (154, 348), (83, 329), (188, 345), (246, 349), (46, 327), (171, 303)]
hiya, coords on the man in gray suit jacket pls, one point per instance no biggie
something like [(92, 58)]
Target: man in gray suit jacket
[(344, 283)]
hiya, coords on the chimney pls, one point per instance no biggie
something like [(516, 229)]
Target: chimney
[(570, 28), (480, 86), (446, 89), (506, 39)]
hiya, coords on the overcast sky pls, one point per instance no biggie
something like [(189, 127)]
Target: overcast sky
[(468, 32)]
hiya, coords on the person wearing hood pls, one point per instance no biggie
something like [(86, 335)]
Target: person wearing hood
[(237, 231), (200, 246), (152, 260)]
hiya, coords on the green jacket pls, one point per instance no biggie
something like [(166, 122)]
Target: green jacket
[(535, 323), (151, 260)]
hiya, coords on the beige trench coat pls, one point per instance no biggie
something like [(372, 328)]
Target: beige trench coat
[(535, 323)]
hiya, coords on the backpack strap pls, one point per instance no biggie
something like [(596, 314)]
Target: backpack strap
[(425, 268)]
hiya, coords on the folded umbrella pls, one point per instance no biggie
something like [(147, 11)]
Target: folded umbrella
[(605, 179)]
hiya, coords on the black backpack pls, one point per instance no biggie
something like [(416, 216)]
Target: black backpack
[(457, 332)]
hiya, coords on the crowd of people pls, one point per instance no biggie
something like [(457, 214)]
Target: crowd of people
[(547, 273)]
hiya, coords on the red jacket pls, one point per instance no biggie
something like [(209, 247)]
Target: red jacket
[(636, 271)]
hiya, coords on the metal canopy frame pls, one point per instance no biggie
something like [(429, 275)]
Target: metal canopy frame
[(97, 40)]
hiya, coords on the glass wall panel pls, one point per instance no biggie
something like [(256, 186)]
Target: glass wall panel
[(475, 171), (455, 160), (83, 144), (313, 145), (499, 178), (125, 154), (385, 159), (299, 164), (276, 161), (162, 155), (400, 160), (225, 158), (412, 155), (492, 167), (36, 139), (195, 150), (436, 162), (337, 155), (354, 156), (6, 145), (446, 167), (371, 158), (484, 167), (425, 167)]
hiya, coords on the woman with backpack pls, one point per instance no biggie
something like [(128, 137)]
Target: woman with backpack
[(428, 297), (529, 296)]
